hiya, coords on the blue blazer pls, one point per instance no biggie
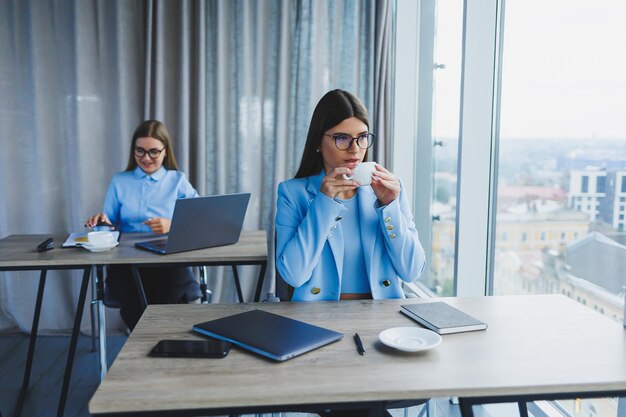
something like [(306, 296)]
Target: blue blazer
[(310, 241)]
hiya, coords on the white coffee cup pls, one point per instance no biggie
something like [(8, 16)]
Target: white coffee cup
[(101, 238), (362, 173)]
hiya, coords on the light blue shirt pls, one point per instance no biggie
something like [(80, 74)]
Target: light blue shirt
[(354, 278), (134, 197)]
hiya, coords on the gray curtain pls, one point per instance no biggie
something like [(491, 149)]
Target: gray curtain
[(234, 81)]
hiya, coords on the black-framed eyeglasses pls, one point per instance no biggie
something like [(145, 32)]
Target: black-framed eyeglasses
[(344, 141), (152, 153)]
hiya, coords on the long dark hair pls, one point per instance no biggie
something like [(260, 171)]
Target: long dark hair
[(157, 130), (332, 109)]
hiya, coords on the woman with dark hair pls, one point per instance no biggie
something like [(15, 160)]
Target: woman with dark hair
[(142, 199), (336, 239)]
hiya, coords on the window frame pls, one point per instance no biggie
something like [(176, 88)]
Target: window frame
[(478, 125)]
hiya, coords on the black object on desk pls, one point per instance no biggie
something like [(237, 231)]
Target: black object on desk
[(359, 344), (207, 348), (46, 245)]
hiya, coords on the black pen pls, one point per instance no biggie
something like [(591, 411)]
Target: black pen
[(359, 344)]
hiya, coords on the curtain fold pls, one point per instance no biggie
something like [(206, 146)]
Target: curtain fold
[(234, 81), (383, 82)]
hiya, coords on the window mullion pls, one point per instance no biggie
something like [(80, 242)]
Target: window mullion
[(477, 139)]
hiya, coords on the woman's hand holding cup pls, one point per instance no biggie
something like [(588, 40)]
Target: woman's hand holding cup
[(385, 185), (334, 183)]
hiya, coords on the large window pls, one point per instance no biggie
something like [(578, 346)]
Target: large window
[(446, 80), (555, 146), (562, 144), (426, 151), (561, 151), (532, 197)]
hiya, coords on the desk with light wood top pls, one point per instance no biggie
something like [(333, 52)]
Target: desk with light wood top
[(535, 347), (251, 249), (18, 252)]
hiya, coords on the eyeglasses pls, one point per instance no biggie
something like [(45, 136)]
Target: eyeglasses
[(343, 141), (152, 153)]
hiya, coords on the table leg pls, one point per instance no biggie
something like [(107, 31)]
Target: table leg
[(465, 407), (74, 340), (204, 299), (142, 294), (92, 315), (377, 410), (102, 337), (259, 282), (31, 344), (523, 408), (237, 283)]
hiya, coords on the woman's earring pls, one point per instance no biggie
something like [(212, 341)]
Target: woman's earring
[(317, 150)]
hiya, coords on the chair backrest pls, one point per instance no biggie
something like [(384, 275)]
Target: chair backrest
[(284, 291)]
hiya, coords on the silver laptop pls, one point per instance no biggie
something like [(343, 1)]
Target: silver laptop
[(202, 222)]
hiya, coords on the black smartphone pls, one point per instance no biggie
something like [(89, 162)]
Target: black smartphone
[(206, 348)]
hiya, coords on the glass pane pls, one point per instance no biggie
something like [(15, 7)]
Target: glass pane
[(445, 130), (562, 157)]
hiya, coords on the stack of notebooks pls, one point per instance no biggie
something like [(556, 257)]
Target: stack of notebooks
[(442, 318)]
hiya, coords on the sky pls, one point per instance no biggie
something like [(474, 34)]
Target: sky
[(564, 69)]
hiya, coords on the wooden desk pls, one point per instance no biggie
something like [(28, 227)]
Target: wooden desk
[(535, 346), (17, 252), (251, 249)]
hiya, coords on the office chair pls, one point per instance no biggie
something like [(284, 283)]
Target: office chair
[(205, 296), (282, 290)]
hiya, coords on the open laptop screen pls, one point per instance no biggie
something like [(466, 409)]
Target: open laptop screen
[(203, 222)]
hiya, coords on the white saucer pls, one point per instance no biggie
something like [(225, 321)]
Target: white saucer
[(93, 248), (410, 339)]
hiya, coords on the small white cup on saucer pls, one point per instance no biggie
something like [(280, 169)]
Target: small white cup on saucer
[(101, 238), (362, 173)]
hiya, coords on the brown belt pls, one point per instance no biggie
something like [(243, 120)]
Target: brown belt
[(356, 296)]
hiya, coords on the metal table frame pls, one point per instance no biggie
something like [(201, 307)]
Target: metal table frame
[(35, 327)]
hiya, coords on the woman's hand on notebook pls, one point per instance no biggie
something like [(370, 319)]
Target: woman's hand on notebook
[(159, 225), (99, 219)]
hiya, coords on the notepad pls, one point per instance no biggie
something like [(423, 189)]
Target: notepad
[(442, 318), (268, 334), (77, 239)]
